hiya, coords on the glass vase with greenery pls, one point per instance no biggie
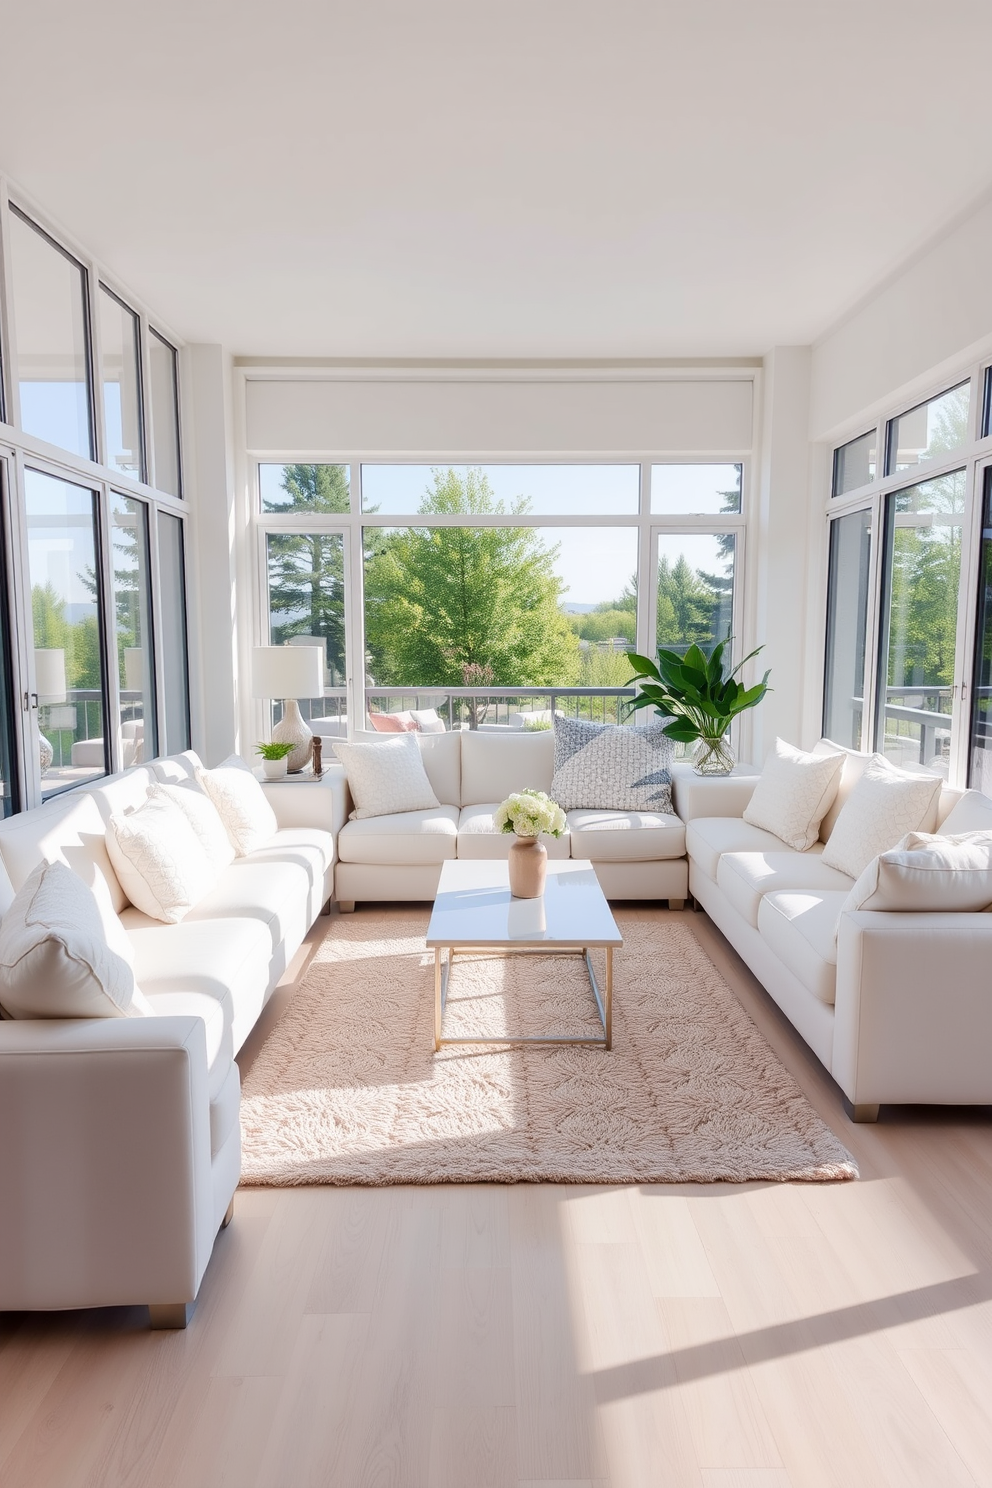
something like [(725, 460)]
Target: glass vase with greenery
[(701, 701)]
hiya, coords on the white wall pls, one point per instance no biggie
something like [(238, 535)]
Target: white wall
[(478, 415), (936, 309), (212, 554)]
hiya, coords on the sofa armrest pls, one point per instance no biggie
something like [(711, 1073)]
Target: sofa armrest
[(323, 803), (712, 795), (913, 1011), (106, 1189)]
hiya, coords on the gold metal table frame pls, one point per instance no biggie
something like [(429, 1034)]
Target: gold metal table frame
[(604, 999)]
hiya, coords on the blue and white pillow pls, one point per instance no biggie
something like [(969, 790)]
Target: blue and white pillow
[(605, 767)]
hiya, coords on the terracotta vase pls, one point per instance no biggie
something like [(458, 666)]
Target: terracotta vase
[(528, 867)]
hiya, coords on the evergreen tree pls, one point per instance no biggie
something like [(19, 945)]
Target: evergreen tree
[(306, 569)]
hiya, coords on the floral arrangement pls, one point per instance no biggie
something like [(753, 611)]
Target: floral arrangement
[(529, 813)]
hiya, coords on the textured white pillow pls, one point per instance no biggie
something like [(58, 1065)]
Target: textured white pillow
[(927, 873), (885, 804), (248, 818), (203, 817), (794, 793), (162, 868), (387, 777), (63, 954), (428, 720)]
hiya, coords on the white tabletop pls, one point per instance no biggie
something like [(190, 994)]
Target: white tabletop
[(474, 907)]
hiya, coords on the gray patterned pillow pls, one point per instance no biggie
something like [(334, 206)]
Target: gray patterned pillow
[(605, 767)]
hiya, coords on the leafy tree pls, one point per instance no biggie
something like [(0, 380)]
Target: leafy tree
[(690, 610), (306, 569), (438, 599)]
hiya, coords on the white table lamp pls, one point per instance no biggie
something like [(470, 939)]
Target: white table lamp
[(289, 672), (50, 687)]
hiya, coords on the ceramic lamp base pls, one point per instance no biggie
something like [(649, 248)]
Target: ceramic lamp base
[(293, 729)]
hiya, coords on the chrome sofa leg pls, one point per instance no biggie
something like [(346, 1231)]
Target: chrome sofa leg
[(170, 1314)]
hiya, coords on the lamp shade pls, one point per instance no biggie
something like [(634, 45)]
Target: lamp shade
[(134, 668), (287, 671), (49, 674)]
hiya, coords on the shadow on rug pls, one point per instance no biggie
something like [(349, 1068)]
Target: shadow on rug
[(348, 1089)]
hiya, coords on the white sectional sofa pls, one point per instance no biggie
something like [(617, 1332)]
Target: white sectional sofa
[(121, 1139), (637, 855), (895, 1005)]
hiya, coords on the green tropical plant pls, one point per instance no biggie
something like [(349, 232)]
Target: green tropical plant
[(273, 751), (693, 691)]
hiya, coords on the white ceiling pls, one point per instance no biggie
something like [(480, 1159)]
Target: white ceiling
[(515, 178)]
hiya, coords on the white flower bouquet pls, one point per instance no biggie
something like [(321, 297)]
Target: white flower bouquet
[(529, 813)]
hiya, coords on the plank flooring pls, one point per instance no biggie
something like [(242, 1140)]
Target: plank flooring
[(540, 1336)]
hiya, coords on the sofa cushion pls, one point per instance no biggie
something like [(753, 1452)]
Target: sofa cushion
[(626, 836), (393, 723), (177, 767), (386, 778), (61, 955), (494, 766), (800, 929), (311, 847), (971, 813), (794, 793), (478, 837), (854, 766), (72, 829), (275, 893), (885, 804), (606, 767), (229, 960), (428, 720), (746, 876), (407, 837), (707, 837)]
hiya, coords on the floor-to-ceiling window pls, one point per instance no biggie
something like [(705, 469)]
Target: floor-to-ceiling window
[(93, 649), (906, 554)]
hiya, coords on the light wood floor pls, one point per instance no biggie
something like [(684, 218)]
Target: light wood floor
[(765, 1336)]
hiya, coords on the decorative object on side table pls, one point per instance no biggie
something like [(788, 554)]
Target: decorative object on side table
[(289, 672), (274, 757), (701, 701), (527, 814), (317, 751)]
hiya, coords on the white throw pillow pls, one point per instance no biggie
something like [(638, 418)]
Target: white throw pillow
[(162, 868), (885, 804), (241, 802), (926, 874), (794, 793), (203, 817), (428, 720), (61, 955), (388, 777)]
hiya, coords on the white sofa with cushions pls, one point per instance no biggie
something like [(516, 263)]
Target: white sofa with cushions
[(894, 1004), (121, 1138), (636, 854)]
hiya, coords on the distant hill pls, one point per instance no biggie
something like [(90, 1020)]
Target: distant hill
[(577, 609)]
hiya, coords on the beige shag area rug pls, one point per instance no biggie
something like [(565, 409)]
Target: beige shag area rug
[(348, 1089)]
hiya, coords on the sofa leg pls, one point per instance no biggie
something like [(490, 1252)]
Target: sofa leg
[(228, 1216), (170, 1314), (346, 906), (676, 904), (862, 1112)]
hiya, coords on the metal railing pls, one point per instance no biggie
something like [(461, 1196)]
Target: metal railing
[(506, 707)]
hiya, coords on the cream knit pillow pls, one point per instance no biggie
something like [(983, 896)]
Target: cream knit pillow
[(885, 804), (157, 856), (927, 874), (388, 777), (794, 794), (241, 803), (203, 817)]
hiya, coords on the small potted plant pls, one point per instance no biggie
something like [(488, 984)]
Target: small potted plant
[(527, 814), (274, 759), (701, 702)]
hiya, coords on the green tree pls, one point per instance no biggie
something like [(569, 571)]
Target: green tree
[(690, 610), (306, 569), (440, 599)]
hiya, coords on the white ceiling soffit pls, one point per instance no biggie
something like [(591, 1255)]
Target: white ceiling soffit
[(534, 178)]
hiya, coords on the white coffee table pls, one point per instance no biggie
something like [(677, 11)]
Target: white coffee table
[(474, 910)]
